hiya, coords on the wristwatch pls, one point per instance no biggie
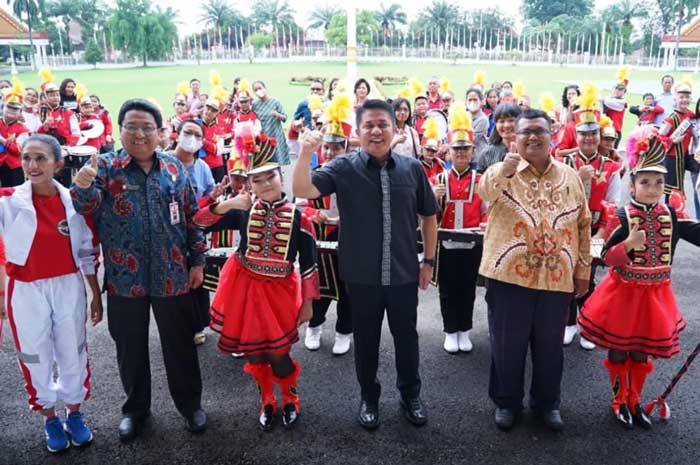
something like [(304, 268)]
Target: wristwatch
[(429, 262)]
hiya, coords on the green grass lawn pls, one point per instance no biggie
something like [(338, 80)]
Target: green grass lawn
[(115, 86)]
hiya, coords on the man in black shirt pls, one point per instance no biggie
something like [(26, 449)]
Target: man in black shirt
[(380, 195)]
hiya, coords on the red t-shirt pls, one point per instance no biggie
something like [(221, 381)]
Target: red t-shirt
[(50, 255)]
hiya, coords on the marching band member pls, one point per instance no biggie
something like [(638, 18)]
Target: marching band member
[(260, 301), (324, 214), (432, 165), (87, 116), (457, 265), (12, 132), (606, 148), (30, 109), (107, 140), (633, 311), (180, 107), (56, 120), (46, 300), (676, 131), (245, 103), (213, 132), (601, 180), (421, 111), (615, 105)]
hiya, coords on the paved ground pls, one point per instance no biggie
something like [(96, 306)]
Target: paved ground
[(460, 428)]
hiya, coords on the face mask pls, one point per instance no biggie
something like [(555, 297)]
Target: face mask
[(473, 106), (190, 143), (506, 92), (260, 93)]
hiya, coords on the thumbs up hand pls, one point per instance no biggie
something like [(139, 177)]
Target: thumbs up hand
[(510, 162), (87, 173)]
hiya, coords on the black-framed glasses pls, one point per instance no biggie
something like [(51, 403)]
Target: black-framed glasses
[(539, 132)]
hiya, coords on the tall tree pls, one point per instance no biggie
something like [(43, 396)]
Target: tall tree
[(217, 14), (545, 10), (388, 17), (30, 10), (622, 14), (142, 31), (440, 15), (322, 16), (367, 27), (272, 13)]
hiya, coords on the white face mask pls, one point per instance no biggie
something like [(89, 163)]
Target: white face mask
[(261, 92), (190, 143), (473, 106)]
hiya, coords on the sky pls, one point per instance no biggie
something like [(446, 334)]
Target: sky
[(190, 11)]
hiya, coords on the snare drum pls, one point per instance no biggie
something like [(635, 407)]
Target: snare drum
[(214, 262), (77, 156)]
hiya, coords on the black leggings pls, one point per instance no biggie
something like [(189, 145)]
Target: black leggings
[(281, 364), (619, 356)]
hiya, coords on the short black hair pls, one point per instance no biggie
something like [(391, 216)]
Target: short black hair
[(198, 122), (139, 104), (647, 94), (375, 104), (476, 91), (667, 76), (396, 103), (50, 141), (534, 114), (506, 82), (361, 81), (193, 80), (420, 97)]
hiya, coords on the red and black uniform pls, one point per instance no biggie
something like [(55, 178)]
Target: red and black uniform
[(212, 132), (634, 308), (603, 191), (331, 286), (678, 154), (457, 266), (60, 127), (105, 146), (11, 173), (647, 116), (418, 124), (259, 295), (566, 137), (433, 168), (85, 123), (225, 120), (175, 121)]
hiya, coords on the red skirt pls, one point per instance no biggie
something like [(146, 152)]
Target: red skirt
[(627, 316), (255, 314)]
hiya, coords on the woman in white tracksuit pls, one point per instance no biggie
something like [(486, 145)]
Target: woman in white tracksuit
[(47, 245)]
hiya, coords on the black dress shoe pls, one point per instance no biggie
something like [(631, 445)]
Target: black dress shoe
[(552, 419), (267, 418), (197, 422), (414, 411), (369, 415), (624, 417), (505, 418), (131, 426), (641, 418)]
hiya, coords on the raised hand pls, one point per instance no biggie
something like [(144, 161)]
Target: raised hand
[(636, 237), (87, 173), (510, 162)]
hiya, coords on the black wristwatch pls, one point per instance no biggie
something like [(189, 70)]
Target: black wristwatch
[(429, 261)]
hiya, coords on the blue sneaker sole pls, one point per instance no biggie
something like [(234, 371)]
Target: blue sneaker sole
[(78, 444)]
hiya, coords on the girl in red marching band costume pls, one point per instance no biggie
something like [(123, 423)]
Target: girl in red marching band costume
[(633, 311), (260, 301), (432, 165), (457, 266), (46, 301)]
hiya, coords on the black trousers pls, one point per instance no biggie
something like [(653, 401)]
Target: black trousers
[(520, 318), (218, 173), (578, 302), (368, 304), (11, 177), (343, 323), (457, 274), (200, 308), (128, 320)]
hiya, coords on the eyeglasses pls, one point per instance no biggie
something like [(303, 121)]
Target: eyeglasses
[(146, 130), (539, 132), (180, 104)]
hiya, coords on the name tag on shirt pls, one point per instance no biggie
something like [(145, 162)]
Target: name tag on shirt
[(174, 213)]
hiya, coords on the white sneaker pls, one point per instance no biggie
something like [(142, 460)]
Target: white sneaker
[(465, 344), (312, 341), (342, 344), (586, 344), (451, 343), (569, 333)]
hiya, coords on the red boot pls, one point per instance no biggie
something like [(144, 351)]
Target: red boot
[(638, 376), (262, 375), (290, 397), (620, 386)]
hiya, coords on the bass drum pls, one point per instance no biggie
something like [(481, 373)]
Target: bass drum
[(77, 156), (443, 128), (215, 260)]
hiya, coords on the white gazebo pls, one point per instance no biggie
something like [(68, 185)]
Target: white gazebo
[(13, 32), (690, 38)]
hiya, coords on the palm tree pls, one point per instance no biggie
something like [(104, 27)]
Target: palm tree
[(439, 15), (218, 14), (32, 9), (388, 17), (273, 13), (322, 16)]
